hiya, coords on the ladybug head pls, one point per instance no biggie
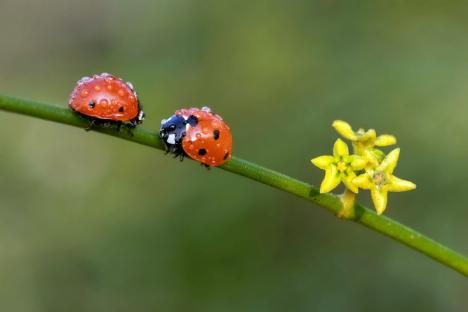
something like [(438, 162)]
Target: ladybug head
[(140, 117), (141, 114), (173, 129)]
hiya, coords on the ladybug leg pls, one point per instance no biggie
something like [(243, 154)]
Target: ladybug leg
[(181, 157), (133, 123), (129, 127), (166, 149), (107, 124), (91, 125), (119, 125), (206, 166)]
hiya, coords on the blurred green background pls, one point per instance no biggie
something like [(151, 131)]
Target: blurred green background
[(92, 223)]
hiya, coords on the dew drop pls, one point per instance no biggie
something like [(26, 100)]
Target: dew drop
[(121, 92), (198, 135), (108, 77), (103, 102), (97, 88), (84, 93), (84, 80)]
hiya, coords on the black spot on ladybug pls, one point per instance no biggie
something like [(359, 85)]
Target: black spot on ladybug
[(91, 104), (226, 155), (121, 109), (192, 120), (202, 151), (216, 134)]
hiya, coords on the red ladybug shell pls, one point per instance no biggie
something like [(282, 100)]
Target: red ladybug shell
[(210, 141), (105, 97)]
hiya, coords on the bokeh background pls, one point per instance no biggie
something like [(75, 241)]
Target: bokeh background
[(92, 223)]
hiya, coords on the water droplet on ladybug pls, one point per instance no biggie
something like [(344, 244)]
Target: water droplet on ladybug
[(84, 80), (84, 93), (103, 102), (198, 135), (121, 92), (97, 88)]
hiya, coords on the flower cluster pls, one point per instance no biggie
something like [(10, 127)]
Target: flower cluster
[(367, 168)]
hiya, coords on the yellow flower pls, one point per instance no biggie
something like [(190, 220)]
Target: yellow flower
[(381, 180), (362, 139), (339, 167)]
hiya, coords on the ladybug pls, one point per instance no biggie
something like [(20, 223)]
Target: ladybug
[(198, 134), (105, 100)]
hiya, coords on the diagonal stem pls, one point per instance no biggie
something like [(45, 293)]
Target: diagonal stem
[(362, 215)]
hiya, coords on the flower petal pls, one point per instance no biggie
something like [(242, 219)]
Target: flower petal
[(357, 162), (343, 128), (400, 185), (340, 148), (385, 140), (363, 181), (369, 135), (347, 179), (379, 197), (323, 161), (390, 161), (371, 158), (331, 179)]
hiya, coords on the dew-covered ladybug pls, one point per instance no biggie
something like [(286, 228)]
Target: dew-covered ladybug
[(106, 100), (198, 134)]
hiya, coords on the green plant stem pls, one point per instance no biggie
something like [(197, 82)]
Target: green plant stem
[(362, 215)]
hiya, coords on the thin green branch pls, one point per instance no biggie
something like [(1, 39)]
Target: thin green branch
[(364, 216)]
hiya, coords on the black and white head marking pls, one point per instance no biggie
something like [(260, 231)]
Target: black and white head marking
[(174, 129)]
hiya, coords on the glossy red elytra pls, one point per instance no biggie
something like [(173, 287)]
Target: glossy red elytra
[(199, 134), (105, 99)]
